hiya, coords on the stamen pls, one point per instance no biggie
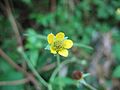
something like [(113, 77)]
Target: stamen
[(58, 45)]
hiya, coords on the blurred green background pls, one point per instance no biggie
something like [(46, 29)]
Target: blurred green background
[(93, 25)]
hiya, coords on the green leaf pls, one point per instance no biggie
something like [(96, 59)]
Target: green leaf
[(33, 56), (116, 72), (4, 66), (33, 41), (15, 87), (11, 75), (116, 50)]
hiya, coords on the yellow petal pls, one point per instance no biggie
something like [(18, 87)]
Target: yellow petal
[(52, 50), (60, 35), (68, 44), (63, 52), (50, 38)]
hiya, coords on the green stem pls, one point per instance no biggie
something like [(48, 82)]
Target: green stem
[(89, 86), (61, 65), (49, 87), (58, 64), (34, 71), (58, 68), (58, 60), (83, 46)]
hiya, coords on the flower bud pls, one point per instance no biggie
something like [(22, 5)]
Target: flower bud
[(77, 75)]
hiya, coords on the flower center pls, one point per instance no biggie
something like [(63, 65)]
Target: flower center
[(58, 45)]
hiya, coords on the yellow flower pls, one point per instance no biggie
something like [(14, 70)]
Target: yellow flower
[(59, 44)]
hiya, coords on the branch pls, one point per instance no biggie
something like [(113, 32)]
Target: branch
[(16, 82), (10, 61), (13, 22), (47, 67)]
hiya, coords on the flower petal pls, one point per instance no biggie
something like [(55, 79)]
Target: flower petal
[(67, 44), (52, 50), (63, 52), (60, 35), (50, 38)]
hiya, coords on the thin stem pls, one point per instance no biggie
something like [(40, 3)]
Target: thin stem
[(34, 70), (14, 82), (58, 68), (83, 46), (58, 60), (89, 86), (49, 87), (13, 22), (58, 64)]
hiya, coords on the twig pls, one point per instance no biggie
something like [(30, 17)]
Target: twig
[(47, 67), (15, 82), (13, 22), (52, 5)]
